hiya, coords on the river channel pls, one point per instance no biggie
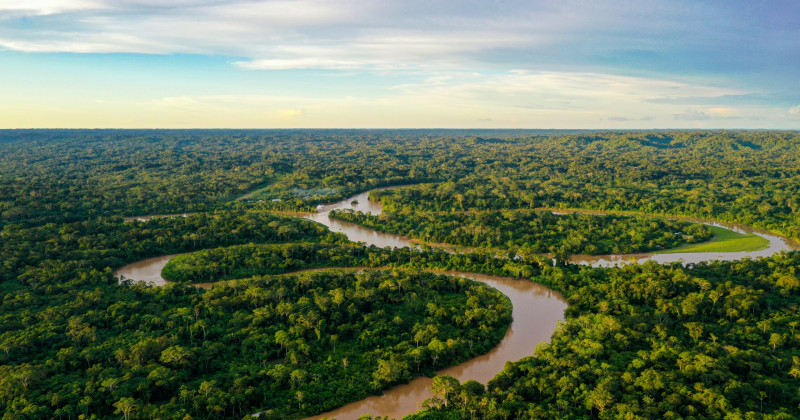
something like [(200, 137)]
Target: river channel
[(536, 309)]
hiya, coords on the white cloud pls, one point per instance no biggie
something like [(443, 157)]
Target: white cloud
[(692, 115), (454, 99), (561, 90), (401, 50), (88, 43), (441, 100), (306, 33), (719, 113), (285, 13), (455, 58), (46, 7), (387, 34), (290, 114), (298, 63)]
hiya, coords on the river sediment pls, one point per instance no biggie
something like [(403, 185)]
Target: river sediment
[(536, 309)]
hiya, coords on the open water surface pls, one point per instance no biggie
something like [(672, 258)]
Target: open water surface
[(536, 309)]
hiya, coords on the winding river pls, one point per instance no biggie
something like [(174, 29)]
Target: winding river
[(776, 244), (536, 309)]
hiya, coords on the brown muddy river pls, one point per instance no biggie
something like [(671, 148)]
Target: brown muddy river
[(536, 309), (776, 244), (354, 232), (536, 313)]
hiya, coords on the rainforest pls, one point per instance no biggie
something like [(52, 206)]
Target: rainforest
[(315, 273)]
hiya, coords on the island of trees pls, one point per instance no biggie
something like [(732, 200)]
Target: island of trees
[(709, 340), (536, 231)]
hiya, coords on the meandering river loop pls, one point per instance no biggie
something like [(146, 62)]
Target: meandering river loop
[(536, 309)]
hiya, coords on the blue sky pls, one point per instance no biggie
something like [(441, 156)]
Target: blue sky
[(373, 63)]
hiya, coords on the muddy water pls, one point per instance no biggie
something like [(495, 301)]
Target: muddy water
[(354, 232), (148, 271), (536, 313), (536, 309), (776, 244)]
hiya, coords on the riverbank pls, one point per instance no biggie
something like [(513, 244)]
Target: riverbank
[(406, 399), (724, 240)]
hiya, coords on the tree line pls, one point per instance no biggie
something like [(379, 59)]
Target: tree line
[(711, 340), (714, 340), (536, 231)]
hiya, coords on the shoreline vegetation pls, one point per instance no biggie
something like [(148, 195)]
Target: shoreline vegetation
[(715, 340), (718, 239), (535, 231), (723, 240)]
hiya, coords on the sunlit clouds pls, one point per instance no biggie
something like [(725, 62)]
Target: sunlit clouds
[(348, 63)]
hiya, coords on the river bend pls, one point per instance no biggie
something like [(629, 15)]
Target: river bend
[(536, 309)]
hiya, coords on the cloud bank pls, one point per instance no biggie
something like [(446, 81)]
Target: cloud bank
[(628, 63), (286, 34)]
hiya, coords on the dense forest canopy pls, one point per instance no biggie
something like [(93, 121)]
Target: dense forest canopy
[(536, 231), (749, 177), (708, 340), (265, 343), (716, 340)]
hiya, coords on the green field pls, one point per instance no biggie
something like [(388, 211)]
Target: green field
[(724, 240)]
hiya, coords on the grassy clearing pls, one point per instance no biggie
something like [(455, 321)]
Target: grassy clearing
[(724, 240)]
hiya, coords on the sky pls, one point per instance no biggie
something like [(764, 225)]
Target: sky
[(612, 64)]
